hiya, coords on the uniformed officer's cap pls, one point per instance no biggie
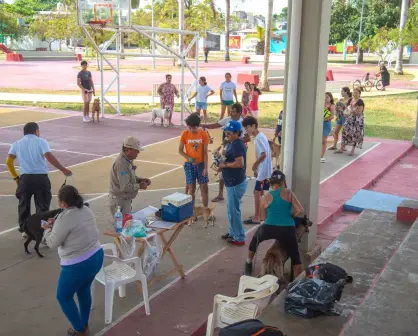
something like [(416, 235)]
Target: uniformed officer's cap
[(133, 143)]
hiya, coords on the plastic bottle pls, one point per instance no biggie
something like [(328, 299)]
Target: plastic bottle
[(118, 220), (315, 274)]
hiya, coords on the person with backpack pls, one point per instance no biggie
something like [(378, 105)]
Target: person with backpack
[(278, 208)]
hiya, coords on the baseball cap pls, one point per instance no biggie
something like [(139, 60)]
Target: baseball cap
[(133, 143), (233, 126)]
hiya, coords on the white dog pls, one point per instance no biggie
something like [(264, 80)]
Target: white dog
[(164, 114)]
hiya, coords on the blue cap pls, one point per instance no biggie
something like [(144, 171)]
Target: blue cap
[(233, 126)]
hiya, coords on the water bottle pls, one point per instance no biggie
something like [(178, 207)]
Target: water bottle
[(316, 274), (118, 220)]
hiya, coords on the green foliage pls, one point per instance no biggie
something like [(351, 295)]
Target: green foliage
[(26, 8), (382, 43), (8, 22), (345, 18), (282, 15), (410, 32)]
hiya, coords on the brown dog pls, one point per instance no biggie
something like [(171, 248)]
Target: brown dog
[(206, 213), (275, 258), (95, 109), (276, 150)]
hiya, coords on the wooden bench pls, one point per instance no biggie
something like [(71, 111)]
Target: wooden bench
[(187, 90)]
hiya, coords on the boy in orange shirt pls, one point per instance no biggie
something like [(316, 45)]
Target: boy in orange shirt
[(194, 148)]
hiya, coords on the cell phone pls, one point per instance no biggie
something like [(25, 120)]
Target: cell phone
[(44, 222)]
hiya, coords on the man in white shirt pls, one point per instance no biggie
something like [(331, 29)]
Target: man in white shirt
[(32, 180), (228, 90), (236, 111), (262, 167)]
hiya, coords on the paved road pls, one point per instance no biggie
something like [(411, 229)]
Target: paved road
[(53, 75)]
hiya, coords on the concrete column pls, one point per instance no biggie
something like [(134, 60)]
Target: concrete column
[(309, 88), (415, 138)]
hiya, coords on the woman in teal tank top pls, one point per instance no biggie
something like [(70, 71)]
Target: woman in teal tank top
[(279, 207)]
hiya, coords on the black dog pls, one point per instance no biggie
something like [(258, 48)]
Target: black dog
[(34, 230)]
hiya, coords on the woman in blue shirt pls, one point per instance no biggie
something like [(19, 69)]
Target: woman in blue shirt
[(235, 179), (278, 207)]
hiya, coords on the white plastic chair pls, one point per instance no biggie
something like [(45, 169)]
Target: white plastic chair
[(116, 275), (247, 305)]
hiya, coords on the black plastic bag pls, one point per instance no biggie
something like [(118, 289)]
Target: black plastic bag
[(249, 328), (329, 273), (313, 297)]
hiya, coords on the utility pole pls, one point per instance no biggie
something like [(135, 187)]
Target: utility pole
[(360, 31)]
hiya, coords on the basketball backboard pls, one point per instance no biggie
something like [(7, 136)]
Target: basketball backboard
[(112, 13)]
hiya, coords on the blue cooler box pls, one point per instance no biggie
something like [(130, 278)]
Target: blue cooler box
[(176, 207)]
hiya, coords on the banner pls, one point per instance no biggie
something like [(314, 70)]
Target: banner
[(235, 42)]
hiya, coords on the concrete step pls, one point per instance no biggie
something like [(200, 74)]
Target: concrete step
[(391, 305), (363, 250)]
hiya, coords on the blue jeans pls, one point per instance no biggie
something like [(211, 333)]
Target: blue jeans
[(77, 279), (233, 199)]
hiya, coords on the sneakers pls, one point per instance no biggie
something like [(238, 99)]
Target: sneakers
[(248, 268), (323, 160), (72, 332), (226, 236), (86, 119)]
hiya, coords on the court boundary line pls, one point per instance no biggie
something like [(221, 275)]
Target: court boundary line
[(40, 121), (107, 156), (59, 150)]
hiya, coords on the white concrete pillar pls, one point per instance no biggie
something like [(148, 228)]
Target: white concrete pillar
[(415, 138), (302, 150)]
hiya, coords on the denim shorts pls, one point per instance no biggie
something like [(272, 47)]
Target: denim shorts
[(340, 121), (194, 173), (201, 106), (262, 185), (327, 129)]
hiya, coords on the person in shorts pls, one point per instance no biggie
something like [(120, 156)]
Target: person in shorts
[(227, 94), (262, 167), (194, 148), (203, 91), (86, 85)]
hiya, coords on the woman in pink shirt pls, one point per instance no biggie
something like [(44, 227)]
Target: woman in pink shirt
[(253, 105)]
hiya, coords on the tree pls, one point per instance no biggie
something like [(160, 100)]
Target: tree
[(383, 43), (27, 8), (264, 75), (8, 23), (227, 22), (409, 35), (283, 14), (345, 18), (260, 35)]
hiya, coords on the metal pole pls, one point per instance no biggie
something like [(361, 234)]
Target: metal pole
[(181, 52), (101, 86), (118, 40), (415, 138), (345, 50), (153, 34), (359, 33), (197, 62)]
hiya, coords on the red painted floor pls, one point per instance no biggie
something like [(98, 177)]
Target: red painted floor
[(183, 308)]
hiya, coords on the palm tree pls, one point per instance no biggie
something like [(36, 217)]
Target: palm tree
[(264, 75), (399, 56), (227, 23)]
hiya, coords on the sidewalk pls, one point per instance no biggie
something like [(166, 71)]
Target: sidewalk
[(53, 98)]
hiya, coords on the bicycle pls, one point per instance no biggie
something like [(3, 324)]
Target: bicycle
[(367, 84)]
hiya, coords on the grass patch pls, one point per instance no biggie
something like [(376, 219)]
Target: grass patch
[(110, 93), (390, 117)]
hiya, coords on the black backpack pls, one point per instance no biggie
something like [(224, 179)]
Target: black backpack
[(250, 328), (329, 273)]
